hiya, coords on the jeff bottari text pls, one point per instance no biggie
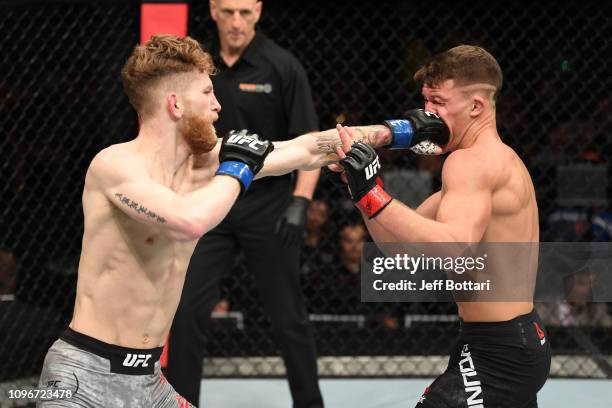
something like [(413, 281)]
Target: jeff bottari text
[(436, 285)]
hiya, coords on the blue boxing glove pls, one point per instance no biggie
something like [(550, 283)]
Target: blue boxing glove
[(242, 156), (420, 131)]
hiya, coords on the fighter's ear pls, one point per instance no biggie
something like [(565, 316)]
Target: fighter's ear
[(175, 109), (478, 104)]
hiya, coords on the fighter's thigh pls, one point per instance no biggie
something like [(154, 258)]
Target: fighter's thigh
[(163, 395), (73, 376), (61, 404), (444, 392)]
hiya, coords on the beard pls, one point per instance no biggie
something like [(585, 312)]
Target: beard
[(199, 134)]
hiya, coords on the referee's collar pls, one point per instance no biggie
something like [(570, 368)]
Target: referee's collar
[(251, 54)]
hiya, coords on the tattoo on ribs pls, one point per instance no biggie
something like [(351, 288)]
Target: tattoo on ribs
[(139, 208)]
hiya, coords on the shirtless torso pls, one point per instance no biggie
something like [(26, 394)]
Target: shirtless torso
[(132, 269), (487, 196), (513, 218), (501, 356), (145, 204), (130, 273)]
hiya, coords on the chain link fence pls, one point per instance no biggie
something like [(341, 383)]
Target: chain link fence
[(62, 102)]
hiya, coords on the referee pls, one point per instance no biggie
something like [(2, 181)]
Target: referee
[(262, 88)]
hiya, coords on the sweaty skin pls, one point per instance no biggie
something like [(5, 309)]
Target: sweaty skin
[(146, 203), (487, 194)]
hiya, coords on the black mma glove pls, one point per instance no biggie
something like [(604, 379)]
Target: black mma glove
[(242, 156), (290, 226), (419, 131), (361, 165)]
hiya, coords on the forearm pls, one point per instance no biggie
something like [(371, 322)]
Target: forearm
[(315, 150), (375, 135), (306, 183), (408, 226), (378, 232), (322, 146)]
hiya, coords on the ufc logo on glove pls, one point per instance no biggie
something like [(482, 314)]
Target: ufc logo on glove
[(372, 169), (241, 139)]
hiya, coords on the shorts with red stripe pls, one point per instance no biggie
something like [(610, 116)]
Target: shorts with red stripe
[(81, 371), (494, 365)]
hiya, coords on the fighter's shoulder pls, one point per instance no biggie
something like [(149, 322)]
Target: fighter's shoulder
[(112, 164), (466, 164), (466, 159)]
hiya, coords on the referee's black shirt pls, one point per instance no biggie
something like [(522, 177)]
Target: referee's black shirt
[(266, 91)]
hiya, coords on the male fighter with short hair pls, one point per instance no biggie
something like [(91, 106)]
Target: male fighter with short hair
[(502, 358), (145, 203)]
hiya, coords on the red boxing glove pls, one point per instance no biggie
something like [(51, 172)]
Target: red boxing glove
[(374, 201), (361, 165)]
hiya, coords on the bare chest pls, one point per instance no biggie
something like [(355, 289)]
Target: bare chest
[(151, 256)]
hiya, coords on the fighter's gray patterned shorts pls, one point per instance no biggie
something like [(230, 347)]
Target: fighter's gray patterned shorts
[(94, 384)]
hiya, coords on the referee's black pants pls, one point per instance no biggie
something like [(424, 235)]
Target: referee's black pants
[(249, 226)]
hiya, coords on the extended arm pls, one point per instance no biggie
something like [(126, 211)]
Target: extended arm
[(464, 208), (427, 209), (183, 217), (420, 131), (315, 150), (122, 178), (463, 212)]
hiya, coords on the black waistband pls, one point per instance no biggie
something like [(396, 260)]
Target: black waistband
[(522, 319), (124, 360)]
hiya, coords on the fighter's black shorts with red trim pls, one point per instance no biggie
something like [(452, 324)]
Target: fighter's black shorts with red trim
[(494, 365)]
